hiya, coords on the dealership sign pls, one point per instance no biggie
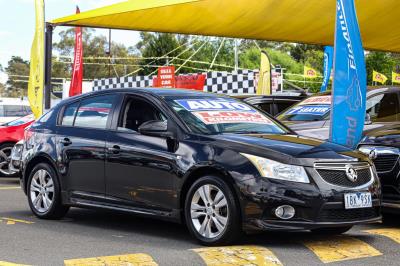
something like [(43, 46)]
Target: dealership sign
[(166, 77)]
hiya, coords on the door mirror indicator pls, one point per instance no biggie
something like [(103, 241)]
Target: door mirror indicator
[(156, 129)]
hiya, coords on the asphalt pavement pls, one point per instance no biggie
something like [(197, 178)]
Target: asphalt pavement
[(88, 237)]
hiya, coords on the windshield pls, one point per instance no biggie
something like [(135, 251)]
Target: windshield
[(312, 109), (20, 121), (217, 115)]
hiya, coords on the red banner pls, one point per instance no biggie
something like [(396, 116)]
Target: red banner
[(166, 77), (194, 82), (77, 71)]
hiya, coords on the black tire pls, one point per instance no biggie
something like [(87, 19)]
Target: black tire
[(332, 230), (8, 147), (232, 230), (56, 210)]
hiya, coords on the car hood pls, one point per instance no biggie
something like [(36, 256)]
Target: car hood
[(383, 135), (292, 149)]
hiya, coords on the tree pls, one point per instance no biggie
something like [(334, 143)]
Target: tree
[(18, 72), (158, 45), (96, 63), (299, 51), (382, 62)]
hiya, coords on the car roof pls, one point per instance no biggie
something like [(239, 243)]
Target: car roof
[(161, 92), (13, 101), (370, 90)]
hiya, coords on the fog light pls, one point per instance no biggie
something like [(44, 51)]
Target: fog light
[(285, 212)]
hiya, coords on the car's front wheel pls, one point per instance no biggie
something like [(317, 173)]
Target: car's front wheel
[(211, 212), (44, 193)]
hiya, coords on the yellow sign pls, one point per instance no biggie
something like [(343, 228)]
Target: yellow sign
[(309, 72), (36, 76), (395, 77), (379, 77), (264, 80)]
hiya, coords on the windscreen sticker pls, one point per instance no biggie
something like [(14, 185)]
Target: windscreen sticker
[(317, 100), (309, 110), (197, 105), (227, 117)]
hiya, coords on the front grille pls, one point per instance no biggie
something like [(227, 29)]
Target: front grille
[(342, 215), (339, 177), (385, 162)]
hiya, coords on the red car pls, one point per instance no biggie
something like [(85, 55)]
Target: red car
[(10, 134)]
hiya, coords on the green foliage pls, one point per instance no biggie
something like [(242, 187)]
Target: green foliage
[(382, 62), (94, 46), (17, 70)]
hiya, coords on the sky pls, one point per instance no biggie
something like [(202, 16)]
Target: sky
[(17, 24)]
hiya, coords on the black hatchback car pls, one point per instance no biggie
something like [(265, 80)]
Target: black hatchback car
[(214, 163)]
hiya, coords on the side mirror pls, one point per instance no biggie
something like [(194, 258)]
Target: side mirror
[(367, 119), (155, 128)]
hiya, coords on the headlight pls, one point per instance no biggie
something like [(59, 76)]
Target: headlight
[(275, 170)]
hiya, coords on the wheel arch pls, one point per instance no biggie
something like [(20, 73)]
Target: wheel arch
[(202, 171), (40, 158)]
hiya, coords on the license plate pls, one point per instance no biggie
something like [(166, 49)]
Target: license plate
[(358, 200)]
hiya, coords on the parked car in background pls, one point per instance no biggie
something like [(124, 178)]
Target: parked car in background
[(13, 108), (15, 158), (10, 134), (276, 103), (215, 163), (383, 146), (311, 117)]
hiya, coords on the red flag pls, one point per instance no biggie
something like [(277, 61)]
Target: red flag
[(77, 71)]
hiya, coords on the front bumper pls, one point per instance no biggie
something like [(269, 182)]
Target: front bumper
[(317, 205)]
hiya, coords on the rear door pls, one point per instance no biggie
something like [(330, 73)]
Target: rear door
[(81, 138)]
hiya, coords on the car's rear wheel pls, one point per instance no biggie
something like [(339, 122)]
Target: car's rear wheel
[(332, 230), (5, 156), (211, 212), (44, 193)]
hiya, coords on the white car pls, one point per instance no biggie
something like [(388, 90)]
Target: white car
[(12, 109)]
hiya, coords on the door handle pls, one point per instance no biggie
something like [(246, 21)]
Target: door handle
[(66, 142), (114, 149)]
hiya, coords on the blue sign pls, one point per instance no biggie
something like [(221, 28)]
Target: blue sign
[(350, 81), (328, 61), (217, 104), (319, 110)]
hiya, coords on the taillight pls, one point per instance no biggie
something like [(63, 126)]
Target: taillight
[(28, 137)]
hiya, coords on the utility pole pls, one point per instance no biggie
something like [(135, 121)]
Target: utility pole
[(109, 53), (236, 55)]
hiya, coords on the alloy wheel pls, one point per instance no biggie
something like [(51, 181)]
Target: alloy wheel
[(5, 156), (209, 211), (42, 191)]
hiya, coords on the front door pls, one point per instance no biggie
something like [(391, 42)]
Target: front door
[(81, 140), (140, 170)]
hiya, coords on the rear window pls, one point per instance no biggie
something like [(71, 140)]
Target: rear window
[(89, 113)]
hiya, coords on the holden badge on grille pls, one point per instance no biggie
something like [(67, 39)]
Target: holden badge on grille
[(351, 173)]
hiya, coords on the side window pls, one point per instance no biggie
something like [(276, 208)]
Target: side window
[(135, 112), (69, 114), (94, 112), (282, 106), (383, 107), (14, 110), (266, 107)]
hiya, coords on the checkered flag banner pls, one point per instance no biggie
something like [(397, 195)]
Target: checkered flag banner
[(125, 82), (236, 82)]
